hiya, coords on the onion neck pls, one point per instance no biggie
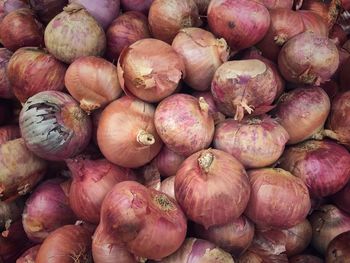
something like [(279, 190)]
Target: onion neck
[(163, 202), (280, 39), (203, 105), (205, 161), (144, 138), (325, 133), (73, 8)]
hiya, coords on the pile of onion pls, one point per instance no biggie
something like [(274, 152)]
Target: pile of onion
[(5, 86)]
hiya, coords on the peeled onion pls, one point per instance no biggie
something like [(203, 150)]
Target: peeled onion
[(136, 5), (5, 86), (168, 162), (47, 9), (338, 249), (342, 198)]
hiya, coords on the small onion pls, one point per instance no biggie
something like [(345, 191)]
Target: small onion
[(29, 255), (298, 237), (313, 22), (93, 82), (342, 198), (305, 259), (126, 133), (74, 33), (5, 86), (168, 162), (47, 9), (338, 250), (150, 69), (10, 212), (278, 198), (8, 133), (255, 142), (168, 186), (136, 5), (32, 70), (184, 124), (167, 17)]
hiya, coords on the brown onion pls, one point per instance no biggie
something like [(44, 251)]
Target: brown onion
[(168, 162), (338, 250), (126, 133), (342, 198), (150, 69), (184, 124), (10, 211), (47, 9), (255, 142), (5, 86), (313, 22), (93, 82), (8, 133), (278, 199), (305, 259), (136, 5), (168, 186), (276, 4), (74, 33), (167, 17), (298, 237), (29, 255), (125, 30)]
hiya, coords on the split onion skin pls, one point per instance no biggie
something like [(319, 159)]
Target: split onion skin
[(5, 86), (338, 249)]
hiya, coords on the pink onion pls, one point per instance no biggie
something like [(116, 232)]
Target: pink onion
[(305, 259), (29, 255), (47, 9), (8, 133), (168, 186), (342, 198), (313, 22), (168, 162), (5, 86), (136, 5), (338, 249)]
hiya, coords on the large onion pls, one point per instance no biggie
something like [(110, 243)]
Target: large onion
[(342, 198), (338, 250), (5, 87), (136, 5), (168, 162), (47, 9)]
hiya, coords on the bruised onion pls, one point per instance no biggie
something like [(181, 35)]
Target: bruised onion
[(93, 82), (243, 23), (47, 9), (275, 4), (5, 86), (150, 69), (298, 237), (10, 211), (32, 70), (74, 33), (168, 186), (29, 255), (168, 162), (53, 126), (136, 5), (184, 123), (244, 86), (305, 259), (278, 199), (202, 54), (126, 133), (342, 198), (8, 133), (313, 22), (338, 249), (167, 17), (255, 142)]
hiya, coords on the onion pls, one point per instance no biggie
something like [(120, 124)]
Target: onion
[(149, 223), (47, 9), (338, 35), (342, 198), (278, 198), (70, 243), (184, 124), (285, 24), (204, 180), (168, 186), (8, 133), (10, 212), (74, 33), (125, 30), (243, 23), (252, 257), (136, 5), (32, 70), (150, 70), (338, 249), (246, 85), (305, 259), (314, 23), (235, 237), (92, 180), (167, 17), (20, 169), (303, 112), (327, 222), (298, 238), (93, 82), (5, 86), (12, 5), (276, 4), (255, 142), (29, 255), (150, 176), (126, 133), (202, 54), (168, 162)]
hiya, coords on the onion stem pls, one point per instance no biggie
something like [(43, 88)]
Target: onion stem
[(205, 161), (203, 105), (145, 138)]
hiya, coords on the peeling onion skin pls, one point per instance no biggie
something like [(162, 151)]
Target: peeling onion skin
[(275, 4), (298, 238), (20, 169), (8, 133), (150, 69), (142, 6), (66, 31), (324, 166), (168, 162), (53, 126), (256, 142), (167, 186), (5, 86), (342, 198), (29, 255), (184, 124), (32, 70), (338, 249), (305, 259), (205, 180), (290, 201)]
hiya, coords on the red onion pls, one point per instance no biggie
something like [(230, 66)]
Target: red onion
[(338, 249), (243, 23), (5, 86), (235, 237), (149, 223), (278, 198), (32, 70), (184, 124), (20, 169), (93, 82), (10, 212), (327, 222), (8, 133), (168, 162), (92, 180), (29, 256), (342, 198), (244, 86), (338, 35), (276, 4), (136, 5), (74, 33), (305, 259), (314, 23), (303, 112), (150, 70), (298, 238), (125, 30), (204, 180), (168, 186), (47, 9), (202, 54), (126, 133), (255, 142), (167, 17)]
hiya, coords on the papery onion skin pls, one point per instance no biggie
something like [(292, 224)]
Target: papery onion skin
[(8, 133), (148, 222), (303, 112), (125, 30), (202, 54), (10, 211), (32, 70), (305, 259), (142, 6), (338, 249), (313, 22), (298, 238), (126, 133), (150, 69), (29, 255), (93, 82), (278, 199), (194, 129), (5, 86), (242, 23), (168, 162), (205, 180), (167, 17), (167, 186), (255, 142), (342, 198), (74, 33), (20, 169), (47, 9)]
